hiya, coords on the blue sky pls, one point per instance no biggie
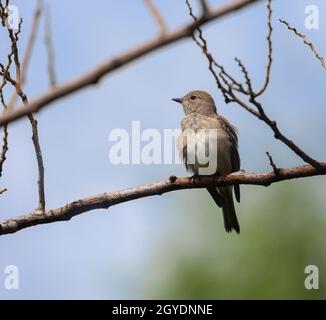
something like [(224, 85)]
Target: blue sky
[(103, 254)]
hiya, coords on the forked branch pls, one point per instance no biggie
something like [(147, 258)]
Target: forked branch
[(93, 76), (230, 87)]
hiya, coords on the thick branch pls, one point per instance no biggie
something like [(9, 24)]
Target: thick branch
[(94, 75), (107, 200)]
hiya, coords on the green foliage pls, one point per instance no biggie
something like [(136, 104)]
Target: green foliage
[(282, 231)]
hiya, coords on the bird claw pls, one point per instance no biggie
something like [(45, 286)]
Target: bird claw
[(172, 179), (193, 178)]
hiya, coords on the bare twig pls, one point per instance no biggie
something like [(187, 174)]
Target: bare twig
[(273, 165), (5, 148), (14, 37), (6, 77), (29, 49), (270, 50), (93, 76), (204, 6), (306, 41), (5, 145), (39, 158), (2, 191), (107, 200), (49, 47), (246, 75), (202, 43), (255, 107), (280, 136), (157, 16)]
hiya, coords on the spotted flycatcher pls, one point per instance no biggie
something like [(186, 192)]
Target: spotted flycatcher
[(208, 145)]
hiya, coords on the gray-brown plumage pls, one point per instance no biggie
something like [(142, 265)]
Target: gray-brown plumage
[(212, 132)]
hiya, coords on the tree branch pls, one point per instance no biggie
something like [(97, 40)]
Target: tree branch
[(157, 16), (94, 76), (254, 107), (270, 50), (14, 37), (107, 200), (306, 41), (4, 150), (29, 49)]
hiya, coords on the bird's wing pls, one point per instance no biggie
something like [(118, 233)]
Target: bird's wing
[(235, 158)]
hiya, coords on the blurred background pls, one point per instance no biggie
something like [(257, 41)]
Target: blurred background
[(172, 246)]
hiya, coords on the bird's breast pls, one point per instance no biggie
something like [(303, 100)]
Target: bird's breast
[(204, 144)]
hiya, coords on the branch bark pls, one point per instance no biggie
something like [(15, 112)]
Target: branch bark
[(107, 200), (95, 75)]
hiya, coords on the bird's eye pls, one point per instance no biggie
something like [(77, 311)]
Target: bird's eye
[(193, 97)]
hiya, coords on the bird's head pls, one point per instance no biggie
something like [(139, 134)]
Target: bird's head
[(197, 102)]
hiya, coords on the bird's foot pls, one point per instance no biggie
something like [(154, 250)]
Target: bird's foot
[(173, 179), (193, 178)]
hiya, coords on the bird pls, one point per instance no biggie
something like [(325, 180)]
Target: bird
[(201, 128)]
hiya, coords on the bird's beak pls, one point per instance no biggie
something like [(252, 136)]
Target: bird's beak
[(177, 100)]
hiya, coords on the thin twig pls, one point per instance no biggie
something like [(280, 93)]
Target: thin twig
[(49, 47), (306, 41), (270, 50), (202, 43), (29, 49), (273, 165), (256, 109), (6, 77), (108, 200), (2, 191), (157, 16), (246, 75), (14, 37), (5, 147), (204, 6)]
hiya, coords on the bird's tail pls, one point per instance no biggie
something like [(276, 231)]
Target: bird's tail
[(229, 215)]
